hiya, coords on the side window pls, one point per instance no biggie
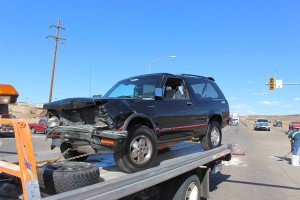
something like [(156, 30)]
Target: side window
[(210, 92), (198, 88), (203, 89), (175, 89)]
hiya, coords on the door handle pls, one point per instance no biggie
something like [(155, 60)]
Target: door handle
[(189, 103)]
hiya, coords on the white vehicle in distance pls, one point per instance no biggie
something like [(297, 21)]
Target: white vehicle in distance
[(262, 124), (234, 121)]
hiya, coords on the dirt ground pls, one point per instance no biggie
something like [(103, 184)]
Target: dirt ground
[(30, 113)]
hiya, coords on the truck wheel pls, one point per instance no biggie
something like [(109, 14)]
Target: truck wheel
[(32, 131), (60, 177), (71, 152), (213, 137), (183, 187), (139, 152)]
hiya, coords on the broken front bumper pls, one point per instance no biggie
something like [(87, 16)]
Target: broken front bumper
[(114, 140), (98, 140)]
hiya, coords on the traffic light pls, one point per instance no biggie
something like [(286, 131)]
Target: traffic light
[(271, 83)]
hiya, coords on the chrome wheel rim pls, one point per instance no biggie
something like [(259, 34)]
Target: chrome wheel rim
[(140, 149), (192, 192), (215, 136)]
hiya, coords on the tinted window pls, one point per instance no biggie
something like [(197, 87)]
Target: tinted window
[(204, 89), (262, 120), (42, 121)]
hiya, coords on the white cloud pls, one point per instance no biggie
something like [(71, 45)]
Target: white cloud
[(250, 112), (269, 103), (275, 103), (250, 82), (260, 93), (287, 106), (238, 106), (296, 99)]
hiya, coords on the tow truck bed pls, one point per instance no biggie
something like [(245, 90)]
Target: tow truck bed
[(172, 162)]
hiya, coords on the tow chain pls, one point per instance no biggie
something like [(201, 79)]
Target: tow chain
[(72, 158)]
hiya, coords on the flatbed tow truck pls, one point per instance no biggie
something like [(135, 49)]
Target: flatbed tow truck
[(175, 167), (181, 172)]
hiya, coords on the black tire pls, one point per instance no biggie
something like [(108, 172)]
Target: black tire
[(139, 152), (71, 152), (213, 136), (32, 131), (183, 187), (61, 177)]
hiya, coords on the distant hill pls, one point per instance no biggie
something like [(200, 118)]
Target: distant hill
[(30, 113), (286, 119)]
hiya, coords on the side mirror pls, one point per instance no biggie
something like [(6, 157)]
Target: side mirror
[(158, 93)]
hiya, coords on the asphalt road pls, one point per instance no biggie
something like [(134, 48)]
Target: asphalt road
[(41, 148), (259, 174)]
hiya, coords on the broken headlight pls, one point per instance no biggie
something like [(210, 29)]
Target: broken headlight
[(52, 122)]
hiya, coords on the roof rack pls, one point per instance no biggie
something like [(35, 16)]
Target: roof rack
[(209, 78)]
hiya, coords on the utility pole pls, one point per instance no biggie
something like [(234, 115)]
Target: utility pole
[(56, 38)]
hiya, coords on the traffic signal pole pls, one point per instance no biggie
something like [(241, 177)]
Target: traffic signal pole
[(272, 83)]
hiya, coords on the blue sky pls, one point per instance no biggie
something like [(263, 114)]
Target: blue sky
[(239, 43)]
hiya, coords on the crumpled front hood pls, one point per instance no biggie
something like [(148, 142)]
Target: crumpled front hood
[(71, 111), (74, 103)]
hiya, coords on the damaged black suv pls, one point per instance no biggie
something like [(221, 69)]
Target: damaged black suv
[(138, 116)]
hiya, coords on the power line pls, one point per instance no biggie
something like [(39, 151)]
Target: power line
[(56, 38)]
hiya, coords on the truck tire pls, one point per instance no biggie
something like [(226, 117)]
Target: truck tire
[(184, 187), (139, 152), (71, 152), (60, 177), (213, 137)]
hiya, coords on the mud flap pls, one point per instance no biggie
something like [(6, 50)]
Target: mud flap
[(203, 174)]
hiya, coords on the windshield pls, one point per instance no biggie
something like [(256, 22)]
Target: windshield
[(138, 87), (262, 120)]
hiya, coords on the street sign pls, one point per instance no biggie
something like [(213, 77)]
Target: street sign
[(278, 84)]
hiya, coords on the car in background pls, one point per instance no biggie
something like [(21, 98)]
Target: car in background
[(234, 121), (6, 128), (262, 124), (294, 125), (39, 127), (277, 123)]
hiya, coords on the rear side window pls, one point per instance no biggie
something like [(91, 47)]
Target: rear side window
[(204, 89)]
